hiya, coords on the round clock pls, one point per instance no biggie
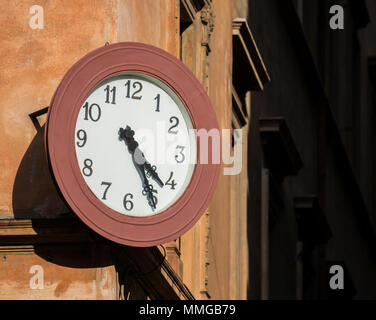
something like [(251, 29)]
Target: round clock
[(123, 145)]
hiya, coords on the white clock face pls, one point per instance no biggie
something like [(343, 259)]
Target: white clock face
[(112, 159)]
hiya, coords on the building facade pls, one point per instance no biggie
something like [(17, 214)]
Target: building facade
[(303, 96)]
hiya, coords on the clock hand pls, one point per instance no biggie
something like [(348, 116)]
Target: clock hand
[(147, 187), (128, 134), (151, 171)]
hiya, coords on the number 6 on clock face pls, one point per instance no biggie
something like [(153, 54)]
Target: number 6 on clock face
[(162, 131)]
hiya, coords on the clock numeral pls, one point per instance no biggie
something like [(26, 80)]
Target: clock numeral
[(108, 91), (87, 170), (158, 98), (170, 182), (136, 85), (90, 113), (81, 135), (128, 204), (175, 123), (182, 158), (108, 185)]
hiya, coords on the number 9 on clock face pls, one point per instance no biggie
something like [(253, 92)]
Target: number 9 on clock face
[(162, 130)]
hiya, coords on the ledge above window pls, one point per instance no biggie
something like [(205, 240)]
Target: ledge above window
[(247, 64)]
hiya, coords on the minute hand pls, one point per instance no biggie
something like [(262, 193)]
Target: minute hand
[(147, 187)]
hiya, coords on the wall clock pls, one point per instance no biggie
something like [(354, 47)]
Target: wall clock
[(122, 148)]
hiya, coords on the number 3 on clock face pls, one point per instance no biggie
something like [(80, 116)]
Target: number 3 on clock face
[(161, 128)]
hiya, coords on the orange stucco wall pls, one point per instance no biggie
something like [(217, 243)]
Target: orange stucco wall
[(33, 61)]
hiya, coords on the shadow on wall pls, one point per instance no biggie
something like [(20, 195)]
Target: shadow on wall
[(61, 237), (34, 193)]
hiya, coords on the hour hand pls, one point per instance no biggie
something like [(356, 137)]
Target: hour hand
[(149, 169), (127, 135), (151, 172)]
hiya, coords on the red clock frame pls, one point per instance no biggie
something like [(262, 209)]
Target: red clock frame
[(69, 97)]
